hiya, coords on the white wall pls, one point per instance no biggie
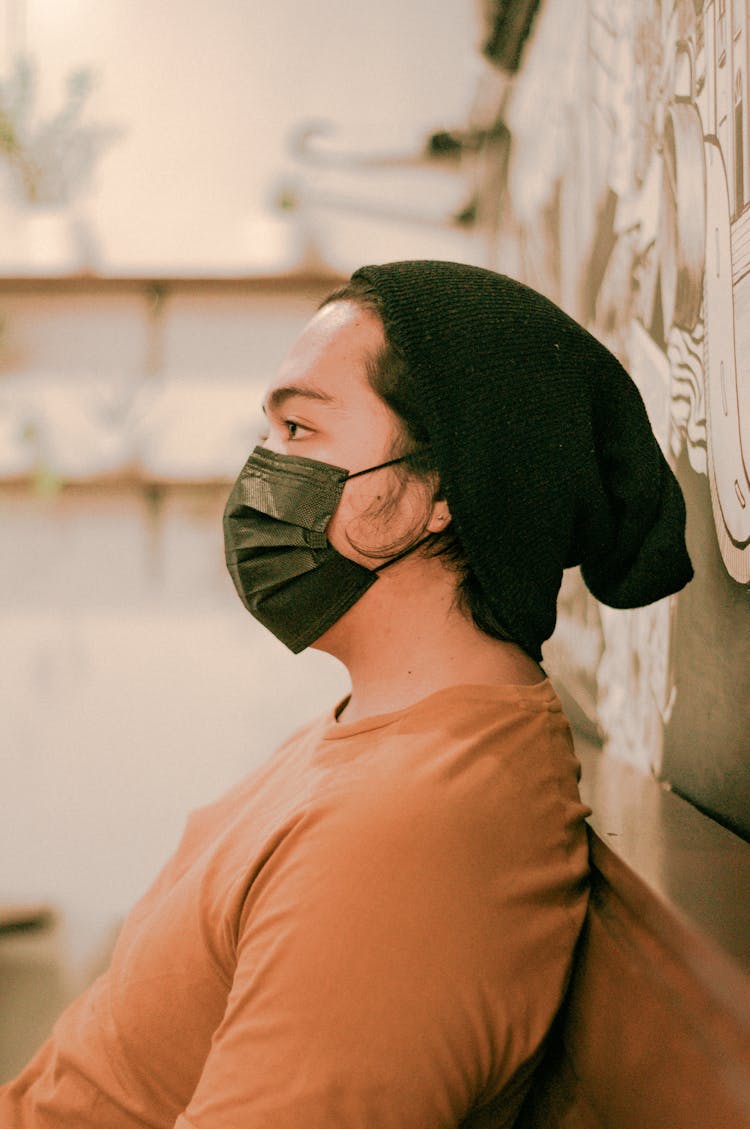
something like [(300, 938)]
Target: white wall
[(206, 95)]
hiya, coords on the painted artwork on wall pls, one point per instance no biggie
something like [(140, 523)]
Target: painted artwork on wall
[(628, 202)]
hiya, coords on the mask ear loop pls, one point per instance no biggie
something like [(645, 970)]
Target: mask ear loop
[(370, 469)]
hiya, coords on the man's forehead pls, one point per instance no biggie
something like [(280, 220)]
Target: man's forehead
[(330, 353)]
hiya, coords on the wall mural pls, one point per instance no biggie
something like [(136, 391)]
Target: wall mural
[(628, 202), (698, 310)]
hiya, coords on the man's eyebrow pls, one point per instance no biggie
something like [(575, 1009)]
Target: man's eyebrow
[(279, 396)]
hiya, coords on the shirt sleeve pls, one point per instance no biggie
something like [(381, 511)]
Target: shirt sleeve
[(380, 961)]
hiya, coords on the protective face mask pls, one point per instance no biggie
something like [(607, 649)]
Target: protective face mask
[(285, 571)]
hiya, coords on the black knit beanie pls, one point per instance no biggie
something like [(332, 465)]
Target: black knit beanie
[(546, 455)]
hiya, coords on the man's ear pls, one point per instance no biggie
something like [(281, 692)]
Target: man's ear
[(440, 517)]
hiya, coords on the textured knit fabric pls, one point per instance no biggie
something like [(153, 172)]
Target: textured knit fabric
[(372, 931), (545, 451)]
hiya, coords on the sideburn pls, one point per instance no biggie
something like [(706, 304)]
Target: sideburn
[(388, 376), (383, 510)]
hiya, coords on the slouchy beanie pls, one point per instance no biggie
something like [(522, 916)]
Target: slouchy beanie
[(545, 452)]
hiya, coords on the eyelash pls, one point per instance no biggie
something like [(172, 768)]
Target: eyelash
[(288, 424)]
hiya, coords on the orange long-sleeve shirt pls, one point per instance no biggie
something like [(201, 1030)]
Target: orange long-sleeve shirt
[(372, 931)]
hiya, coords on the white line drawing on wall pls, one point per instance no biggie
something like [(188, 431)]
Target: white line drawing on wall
[(644, 214), (668, 116), (679, 171), (705, 254)]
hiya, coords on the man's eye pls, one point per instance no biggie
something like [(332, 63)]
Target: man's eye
[(288, 429)]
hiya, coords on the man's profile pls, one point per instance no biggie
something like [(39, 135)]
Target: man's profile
[(375, 929)]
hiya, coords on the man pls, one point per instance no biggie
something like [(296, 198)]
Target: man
[(376, 928)]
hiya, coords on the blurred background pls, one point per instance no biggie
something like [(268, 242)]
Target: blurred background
[(180, 185)]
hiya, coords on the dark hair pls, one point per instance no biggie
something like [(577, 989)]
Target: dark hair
[(390, 377)]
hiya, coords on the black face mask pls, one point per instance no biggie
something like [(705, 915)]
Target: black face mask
[(285, 571)]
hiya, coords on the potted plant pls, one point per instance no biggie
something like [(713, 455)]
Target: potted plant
[(49, 163)]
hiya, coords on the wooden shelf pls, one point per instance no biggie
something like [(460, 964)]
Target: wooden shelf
[(296, 282)]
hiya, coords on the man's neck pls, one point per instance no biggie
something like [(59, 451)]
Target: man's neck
[(404, 641)]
